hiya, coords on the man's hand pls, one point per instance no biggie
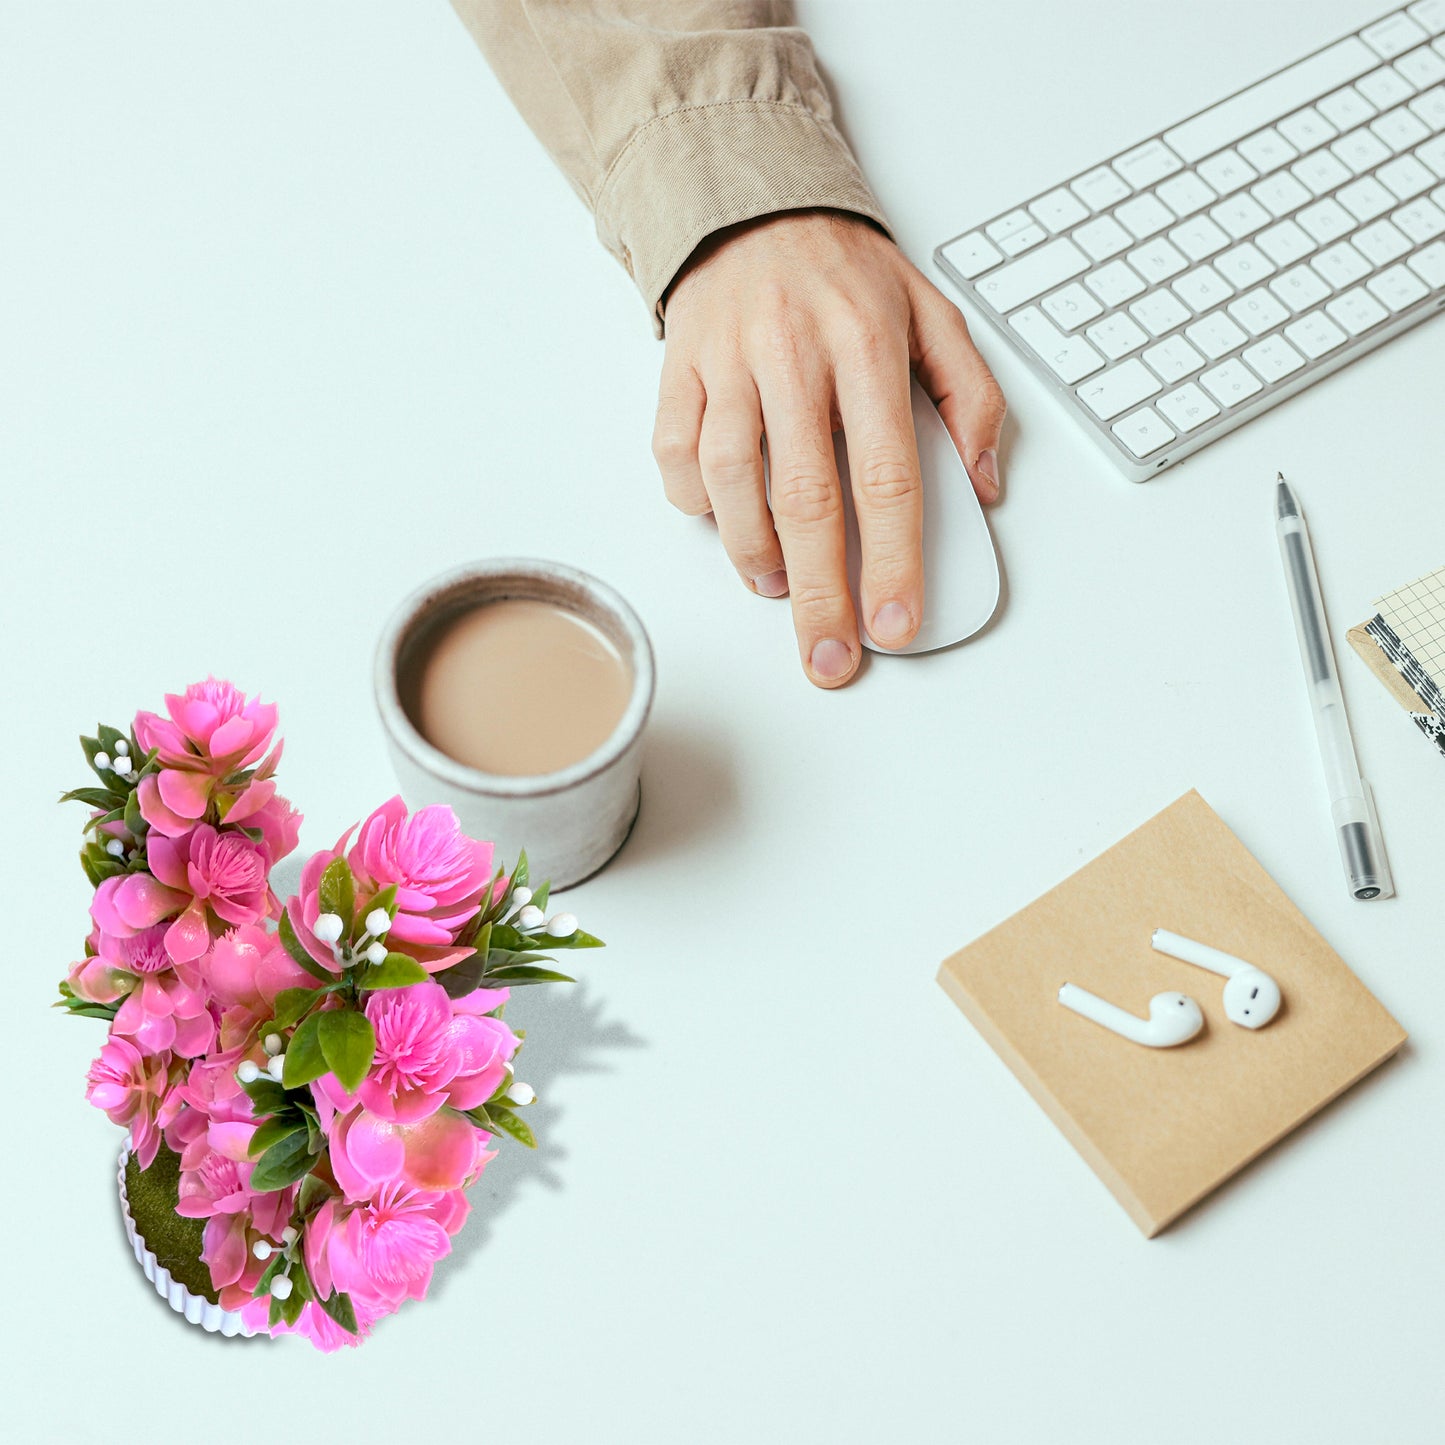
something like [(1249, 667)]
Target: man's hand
[(790, 327)]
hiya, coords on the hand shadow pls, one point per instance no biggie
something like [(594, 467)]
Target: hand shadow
[(566, 1034)]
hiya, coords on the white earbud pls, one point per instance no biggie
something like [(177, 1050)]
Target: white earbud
[(1251, 996), (1174, 1018)]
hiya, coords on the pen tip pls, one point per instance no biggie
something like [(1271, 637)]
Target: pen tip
[(1284, 502)]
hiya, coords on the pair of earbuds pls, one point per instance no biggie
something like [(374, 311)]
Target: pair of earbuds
[(1251, 997)]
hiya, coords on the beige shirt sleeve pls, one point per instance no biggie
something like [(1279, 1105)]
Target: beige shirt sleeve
[(672, 118)]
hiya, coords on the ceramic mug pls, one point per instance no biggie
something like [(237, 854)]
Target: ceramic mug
[(571, 821)]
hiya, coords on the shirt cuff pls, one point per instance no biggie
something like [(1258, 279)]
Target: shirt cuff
[(694, 170)]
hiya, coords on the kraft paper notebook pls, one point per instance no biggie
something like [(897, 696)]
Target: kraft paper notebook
[(1164, 1127), (1403, 644)]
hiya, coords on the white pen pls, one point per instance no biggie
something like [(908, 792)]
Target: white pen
[(1352, 805)]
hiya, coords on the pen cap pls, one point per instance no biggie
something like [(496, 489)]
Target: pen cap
[(1362, 849)]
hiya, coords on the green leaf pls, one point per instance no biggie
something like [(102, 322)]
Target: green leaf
[(509, 937), (287, 934), (134, 820), (576, 940), (314, 1192), (539, 898), (274, 1266), (338, 892), (461, 978), (483, 941), (85, 1010), (90, 870), (509, 1123), (292, 1003), (304, 1058), (385, 899), (339, 1307), (282, 1164), (93, 797), (525, 973), (348, 1043), (90, 747), (520, 875), (396, 970), (266, 1096), (280, 1126), (110, 736)]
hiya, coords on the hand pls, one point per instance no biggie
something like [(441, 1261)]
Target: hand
[(789, 327)]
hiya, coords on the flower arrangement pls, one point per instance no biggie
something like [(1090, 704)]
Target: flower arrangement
[(322, 1077)]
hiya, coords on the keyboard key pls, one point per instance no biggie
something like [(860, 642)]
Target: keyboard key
[(1240, 216), (1432, 153), (1257, 312), (1244, 265), (1429, 265), (1267, 150), (1384, 87), (1070, 358), (1159, 313), (1299, 288), (972, 255), (1227, 172), (1241, 114), (1199, 237), (1146, 164), (1429, 15), (1356, 311), (1015, 232), (1320, 171), (1186, 193), (1231, 382), (1215, 335), (1362, 150), (1345, 108), (1285, 243), (1422, 67), (1202, 288), (1103, 237), (1116, 336), (1341, 265), (1099, 188), (1172, 360), (1306, 129), (1380, 242), (1365, 199), (1188, 407), (1072, 306), (1398, 288), (1421, 220), (1143, 432), (1031, 275), (1114, 284), (1400, 128), (1144, 216), (1117, 390), (1272, 359), (1388, 37), (1315, 334), (1326, 221), (1406, 177), (1058, 210), (1430, 107), (1280, 194), (1156, 261)]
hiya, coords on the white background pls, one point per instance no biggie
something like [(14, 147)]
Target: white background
[(294, 313)]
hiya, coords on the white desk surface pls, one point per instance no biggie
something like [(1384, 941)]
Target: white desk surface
[(296, 313)]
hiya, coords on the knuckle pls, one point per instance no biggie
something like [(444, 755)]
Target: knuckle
[(888, 480), (754, 559), (690, 501), (671, 446), (730, 458), (819, 602), (991, 401), (808, 497)]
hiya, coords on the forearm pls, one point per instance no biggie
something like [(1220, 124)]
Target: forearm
[(670, 119)]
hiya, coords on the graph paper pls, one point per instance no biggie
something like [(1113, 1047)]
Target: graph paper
[(1416, 615)]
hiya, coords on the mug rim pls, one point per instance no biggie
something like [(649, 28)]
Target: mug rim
[(428, 597)]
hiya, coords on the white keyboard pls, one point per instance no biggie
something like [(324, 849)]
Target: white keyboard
[(1199, 278)]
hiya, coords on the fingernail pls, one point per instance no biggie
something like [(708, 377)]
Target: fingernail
[(890, 623), (987, 468), (773, 585), (832, 660)]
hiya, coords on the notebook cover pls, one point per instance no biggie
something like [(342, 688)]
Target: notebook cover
[(1165, 1127)]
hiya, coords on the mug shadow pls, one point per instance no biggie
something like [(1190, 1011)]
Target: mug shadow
[(567, 1034)]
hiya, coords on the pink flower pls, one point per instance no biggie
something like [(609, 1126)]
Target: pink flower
[(132, 1089), (213, 1111), (384, 1249), (213, 734), (441, 877), (223, 874), (100, 977), (313, 1322), (440, 1152), (166, 1010), (221, 1184), (244, 971)]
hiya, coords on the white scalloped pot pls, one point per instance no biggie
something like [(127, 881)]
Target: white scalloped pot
[(197, 1310)]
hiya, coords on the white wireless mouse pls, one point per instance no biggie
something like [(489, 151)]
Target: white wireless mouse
[(960, 568)]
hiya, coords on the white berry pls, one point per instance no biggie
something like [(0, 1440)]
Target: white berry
[(121, 746), (122, 765), (289, 1234), (521, 1093), (275, 1066), (376, 953), (247, 1072), (328, 927), (530, 918), (521, 896), (115, 848), (273, 1043), (378, 921), (563, 925), (281, 1287), (102, 760), (262, 1249)]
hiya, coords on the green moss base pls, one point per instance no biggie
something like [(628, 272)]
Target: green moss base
[(175, 1242)]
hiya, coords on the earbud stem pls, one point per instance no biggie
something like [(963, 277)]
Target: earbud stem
[(1199, 954)]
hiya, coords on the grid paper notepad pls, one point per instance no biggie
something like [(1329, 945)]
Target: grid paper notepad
[(1403, 644)]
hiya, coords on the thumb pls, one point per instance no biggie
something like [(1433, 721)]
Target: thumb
[(962, 387)]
